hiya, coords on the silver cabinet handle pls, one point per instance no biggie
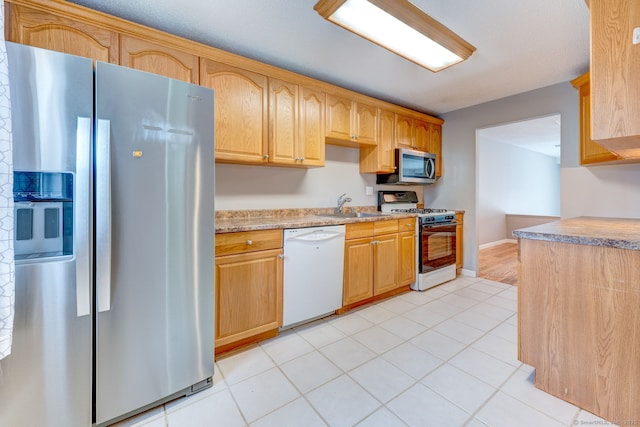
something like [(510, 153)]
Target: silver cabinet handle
[(409, 225), (281, 256), (103, 215), (249, 242), (302, 159), (82, 222), (266, 157)]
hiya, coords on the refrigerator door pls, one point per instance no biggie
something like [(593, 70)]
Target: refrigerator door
[(46, 381), (154, 239)]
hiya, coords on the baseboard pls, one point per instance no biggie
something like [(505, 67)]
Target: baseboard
[(468, 273), (499, 242)]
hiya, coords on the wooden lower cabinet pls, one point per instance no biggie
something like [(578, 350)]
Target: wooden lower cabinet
[(358, 271), (407, 251), (248, 300), (459, 240), (385, 263), (376, 255)]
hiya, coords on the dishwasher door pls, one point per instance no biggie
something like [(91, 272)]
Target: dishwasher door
[(313, 271)]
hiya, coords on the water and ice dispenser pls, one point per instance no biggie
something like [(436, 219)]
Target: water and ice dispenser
[(43, 215)]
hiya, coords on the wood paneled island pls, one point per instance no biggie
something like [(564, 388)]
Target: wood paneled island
[(579, 313)]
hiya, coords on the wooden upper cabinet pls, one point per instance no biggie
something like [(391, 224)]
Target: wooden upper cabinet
[(435, 145), (404, 131), (153, 58), (590, 151), (366, 124), (421, 135), (296, 124), (380, 158), (615, 67), (311, 126), (351, 123), (48, 31), (241, 110), (338, 120), (283, 122)]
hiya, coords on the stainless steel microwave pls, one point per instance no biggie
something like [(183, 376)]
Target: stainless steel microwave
[(411, 167)]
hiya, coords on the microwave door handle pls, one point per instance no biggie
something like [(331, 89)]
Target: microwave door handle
[(103, 215), (82, 213)]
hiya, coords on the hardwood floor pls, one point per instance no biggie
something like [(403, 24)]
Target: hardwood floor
[(499, 263)]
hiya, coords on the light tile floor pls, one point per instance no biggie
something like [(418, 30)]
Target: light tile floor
[(443, 357)]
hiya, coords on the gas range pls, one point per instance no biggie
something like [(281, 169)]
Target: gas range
[(400, 202), (435, 237)]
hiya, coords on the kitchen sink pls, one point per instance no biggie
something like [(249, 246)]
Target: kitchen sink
[(353, 215)]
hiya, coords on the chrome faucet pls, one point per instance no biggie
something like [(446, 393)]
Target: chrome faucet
[(341, 201)]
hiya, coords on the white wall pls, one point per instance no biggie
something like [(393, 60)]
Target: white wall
[(596, 190), (458, 188), (513, 180), (264, 187), (609, 191)]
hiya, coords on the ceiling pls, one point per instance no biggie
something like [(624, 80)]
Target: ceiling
[(541, 135), (521, 45)]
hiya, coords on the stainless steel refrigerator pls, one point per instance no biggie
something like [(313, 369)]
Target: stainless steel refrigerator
[(114, 220)]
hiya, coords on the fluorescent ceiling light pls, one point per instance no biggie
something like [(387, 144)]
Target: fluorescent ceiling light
[(400, 27)]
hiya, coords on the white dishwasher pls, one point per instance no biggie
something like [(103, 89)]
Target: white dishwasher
[(313, 270)]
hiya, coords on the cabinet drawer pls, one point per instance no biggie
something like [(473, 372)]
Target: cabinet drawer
[(406, 224), (248, 241), (385, 227), (358, 230)]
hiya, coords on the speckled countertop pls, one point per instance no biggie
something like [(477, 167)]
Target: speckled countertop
[(610, 232), (264, 219)]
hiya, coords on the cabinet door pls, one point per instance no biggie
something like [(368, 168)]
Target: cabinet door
[(338, 120), (404, 131), (241, 129), (459, 239), (366, 124), (380, 158), (421, 135), (248, 295), (590, 151), (385, 263), (48, 31), (407, 258), (615, 67), (153, 58), (386, 142), (358, 270), (311, 126), (283, 122), (435, 145)]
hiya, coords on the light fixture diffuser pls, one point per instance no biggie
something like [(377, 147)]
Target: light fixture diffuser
[(400, 27)]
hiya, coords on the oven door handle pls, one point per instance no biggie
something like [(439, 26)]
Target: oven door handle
[(438, 225)]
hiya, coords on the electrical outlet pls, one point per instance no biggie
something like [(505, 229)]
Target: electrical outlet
[(368, 190), (636, 35)]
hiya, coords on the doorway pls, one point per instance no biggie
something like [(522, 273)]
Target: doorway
[(518, 178)]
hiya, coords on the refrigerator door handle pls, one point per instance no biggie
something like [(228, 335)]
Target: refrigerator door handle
[(103, 214), (82, 220)]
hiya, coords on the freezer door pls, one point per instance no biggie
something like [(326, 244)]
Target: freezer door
[(154, 239), (46, 381)]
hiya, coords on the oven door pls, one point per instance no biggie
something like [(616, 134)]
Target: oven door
[(437, 246)]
